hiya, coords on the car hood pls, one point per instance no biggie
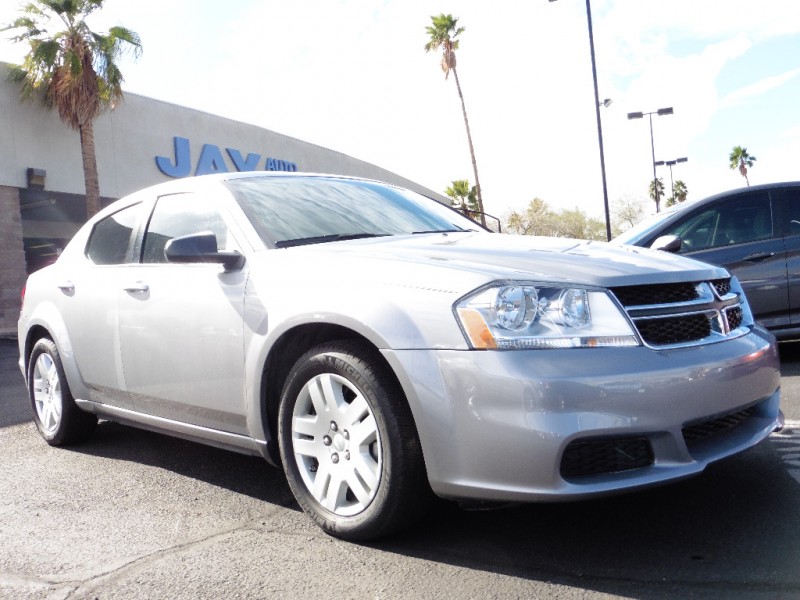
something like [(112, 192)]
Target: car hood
[(487, 257)]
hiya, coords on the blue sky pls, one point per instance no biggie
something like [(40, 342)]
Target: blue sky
[(352, 75)]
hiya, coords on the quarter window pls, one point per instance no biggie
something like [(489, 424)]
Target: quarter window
[(111, 237)]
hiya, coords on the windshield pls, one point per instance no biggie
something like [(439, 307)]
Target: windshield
[(643, 229), (293, 211)]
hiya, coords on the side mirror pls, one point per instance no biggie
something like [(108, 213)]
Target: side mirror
[(667, 243), (201, 248)]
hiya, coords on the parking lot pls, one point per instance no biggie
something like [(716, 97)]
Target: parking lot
[(133, 514)]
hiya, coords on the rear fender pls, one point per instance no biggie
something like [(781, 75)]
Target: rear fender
[(47, 317)]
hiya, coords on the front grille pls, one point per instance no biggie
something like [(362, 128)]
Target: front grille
[(669, 293), (674, 330), (597, 457), (685, 313), (722, 287), (701, 431)]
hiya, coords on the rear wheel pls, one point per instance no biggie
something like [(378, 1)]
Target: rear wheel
[(348, 444), (55, 413)]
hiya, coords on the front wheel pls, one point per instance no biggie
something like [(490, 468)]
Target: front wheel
[(58, 418), (348, 444)]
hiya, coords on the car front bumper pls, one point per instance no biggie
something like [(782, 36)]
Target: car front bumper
[(559, 424)]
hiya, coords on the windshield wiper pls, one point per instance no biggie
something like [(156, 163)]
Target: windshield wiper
[(442, 231), (321, 239)]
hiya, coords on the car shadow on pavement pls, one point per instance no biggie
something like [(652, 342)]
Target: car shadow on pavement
[(790, 358), (731, 532), (248, 475)]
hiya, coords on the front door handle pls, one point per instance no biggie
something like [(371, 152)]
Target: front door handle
[(757, 256), (137, 288)]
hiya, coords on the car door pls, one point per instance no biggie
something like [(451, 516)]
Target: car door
[(89, 290), (180, 325), (788, 201), (740, 233)]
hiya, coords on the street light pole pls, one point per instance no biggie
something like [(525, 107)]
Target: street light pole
[(638, 115), (670, 164), (653, 154), (597, 104)]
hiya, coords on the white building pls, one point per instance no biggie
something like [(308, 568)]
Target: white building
[(140, 143)]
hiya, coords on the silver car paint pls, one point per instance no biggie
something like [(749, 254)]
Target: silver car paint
[(491, 423), (494, 424)]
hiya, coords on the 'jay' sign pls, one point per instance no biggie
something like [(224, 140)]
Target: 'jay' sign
[(212, 161)]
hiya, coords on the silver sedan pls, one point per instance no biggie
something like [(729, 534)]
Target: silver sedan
[(384, 349)]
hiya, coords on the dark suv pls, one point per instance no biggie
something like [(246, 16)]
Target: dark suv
[(754, 232)]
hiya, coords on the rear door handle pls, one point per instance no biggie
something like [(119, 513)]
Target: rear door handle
[(67, 287), (137, 288)]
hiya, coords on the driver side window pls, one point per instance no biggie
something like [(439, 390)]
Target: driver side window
[(178, 215), (738, 220), (698, 232)]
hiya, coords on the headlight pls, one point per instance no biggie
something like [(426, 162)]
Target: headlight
[(517, 316)]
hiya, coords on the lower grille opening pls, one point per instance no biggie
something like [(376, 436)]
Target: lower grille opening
[(701, 431), (735, 317), (585, 458), (675, 330)]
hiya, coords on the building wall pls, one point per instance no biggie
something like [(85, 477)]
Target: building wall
[(12, 255), (128, 142), (129, 138)]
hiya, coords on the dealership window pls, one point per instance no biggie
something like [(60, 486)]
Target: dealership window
[(49, 220)]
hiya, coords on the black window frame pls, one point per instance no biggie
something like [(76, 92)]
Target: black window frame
[(132, 235)]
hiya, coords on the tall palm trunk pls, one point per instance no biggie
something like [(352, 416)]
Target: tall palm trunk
[(90, 169), (471, 150)]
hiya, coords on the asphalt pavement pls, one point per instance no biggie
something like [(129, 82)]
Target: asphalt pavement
[(132, 514)]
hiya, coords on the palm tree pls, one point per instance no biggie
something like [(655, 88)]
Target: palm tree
[(464, 198), (73, 69), (740, 159), (443, 33), (680, 191), (656, 191)]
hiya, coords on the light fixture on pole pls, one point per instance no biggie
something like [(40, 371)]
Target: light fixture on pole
[(670, 164), (638, 115), (597, 105)]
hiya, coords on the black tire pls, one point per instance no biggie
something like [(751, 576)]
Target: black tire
[(357, 486), (57, 417)]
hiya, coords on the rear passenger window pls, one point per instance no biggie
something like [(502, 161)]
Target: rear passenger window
[(111, 237)]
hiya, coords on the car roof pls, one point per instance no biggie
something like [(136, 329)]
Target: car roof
[(752, 188)]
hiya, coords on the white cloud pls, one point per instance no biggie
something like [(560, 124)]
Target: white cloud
[(754, 90)]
